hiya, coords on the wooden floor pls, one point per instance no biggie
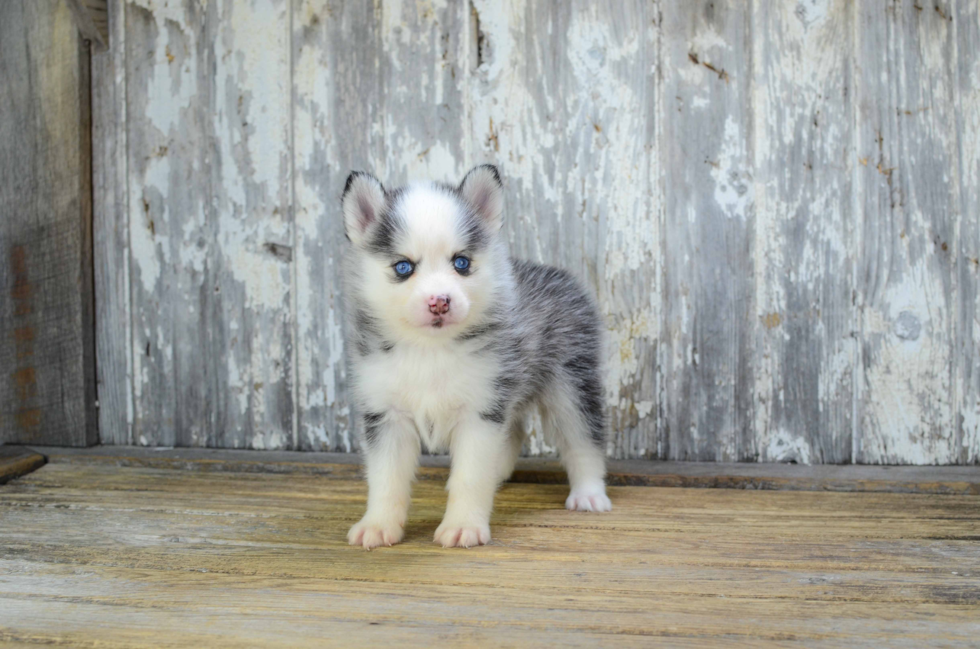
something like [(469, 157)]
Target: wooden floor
[(103, 555)]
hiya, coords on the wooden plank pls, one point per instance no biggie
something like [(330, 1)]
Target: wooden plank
[(709, 293), (113, 325), (210, 223), (167, 106), (47, 386), (16, 461), (906, 145), (229, 559), (966, 351), (250, 355), (338, 124), (565, 98), (539, 470), (803, 250), (423, 68), (720, 195)]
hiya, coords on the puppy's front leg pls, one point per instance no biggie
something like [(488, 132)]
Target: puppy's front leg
[(392, 455), (478, 448)]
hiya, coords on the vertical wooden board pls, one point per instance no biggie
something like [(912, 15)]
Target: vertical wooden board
[(564, 98), (210, 223), (709, 291), (423, 52), (249, 305), (172, 247), (966, 19), (337, 113), (111, 245), (801, 104), (905, 134), (47, 363)]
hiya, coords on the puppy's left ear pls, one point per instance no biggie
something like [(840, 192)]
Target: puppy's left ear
[(481, 188), (363, 201)]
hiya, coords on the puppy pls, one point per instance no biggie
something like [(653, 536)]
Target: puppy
[(450, 343)]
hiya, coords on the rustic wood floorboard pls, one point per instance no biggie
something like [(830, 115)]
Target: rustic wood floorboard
[(109, 556)]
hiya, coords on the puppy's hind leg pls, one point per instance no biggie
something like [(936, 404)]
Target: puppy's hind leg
[(576, 426), (515, 443)]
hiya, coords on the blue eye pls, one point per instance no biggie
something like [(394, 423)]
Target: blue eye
[(461, 263), (404, 268)]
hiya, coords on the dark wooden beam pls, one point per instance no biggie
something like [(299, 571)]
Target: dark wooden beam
[(954, 480), (16, 461), (47, 346)]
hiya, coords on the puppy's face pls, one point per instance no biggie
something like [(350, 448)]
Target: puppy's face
[(425, 253)]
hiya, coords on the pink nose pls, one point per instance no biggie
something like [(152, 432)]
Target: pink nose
[(438, 304)]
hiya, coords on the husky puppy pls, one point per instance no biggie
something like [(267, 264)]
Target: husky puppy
[(450, 343)]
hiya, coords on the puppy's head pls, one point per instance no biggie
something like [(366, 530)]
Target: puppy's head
[(427, 254)]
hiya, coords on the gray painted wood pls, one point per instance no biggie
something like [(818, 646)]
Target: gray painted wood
[(563, 98), (966, 91), (805, 325), (172, 252), (905, 140), (337, 112), (113, 333), (250, 220), (709, 295), (771, 271), (47, 347), (211, 223)]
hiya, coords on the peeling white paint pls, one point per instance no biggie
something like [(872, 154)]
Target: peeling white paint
[(786, 446), (571, 101)]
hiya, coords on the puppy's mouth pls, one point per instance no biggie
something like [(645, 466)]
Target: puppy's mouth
[(437, 323)]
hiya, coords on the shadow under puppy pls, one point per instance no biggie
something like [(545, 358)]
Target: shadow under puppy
[(450, 343)]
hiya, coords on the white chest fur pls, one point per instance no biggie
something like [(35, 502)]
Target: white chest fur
[(433, 387)]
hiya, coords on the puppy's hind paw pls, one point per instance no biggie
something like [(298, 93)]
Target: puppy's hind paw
[(588, 502), (372, 534)]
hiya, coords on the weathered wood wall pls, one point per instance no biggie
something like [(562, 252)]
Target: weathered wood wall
[(775, 203), (47, 326)]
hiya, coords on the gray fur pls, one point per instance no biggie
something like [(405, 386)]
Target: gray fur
[(543, 331)]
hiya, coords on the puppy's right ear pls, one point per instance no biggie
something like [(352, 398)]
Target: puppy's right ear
[(363, 200)]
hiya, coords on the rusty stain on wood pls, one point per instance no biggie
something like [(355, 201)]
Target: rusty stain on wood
[(47, 365)]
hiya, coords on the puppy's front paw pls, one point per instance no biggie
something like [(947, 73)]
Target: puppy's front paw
[(462, 534), (588, 501), (372, 533)]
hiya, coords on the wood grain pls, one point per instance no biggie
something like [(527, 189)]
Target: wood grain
[(709, 296), (249, 314), (133, 557), (758, 196), (806, 328), (111, 252), (564, 97), (906, 144), (16, 461), (338, 112), (962, 480), (966, 351), (168, 99), (47, 348)]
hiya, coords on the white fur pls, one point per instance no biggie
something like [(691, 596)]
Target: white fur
[(432, 388)]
